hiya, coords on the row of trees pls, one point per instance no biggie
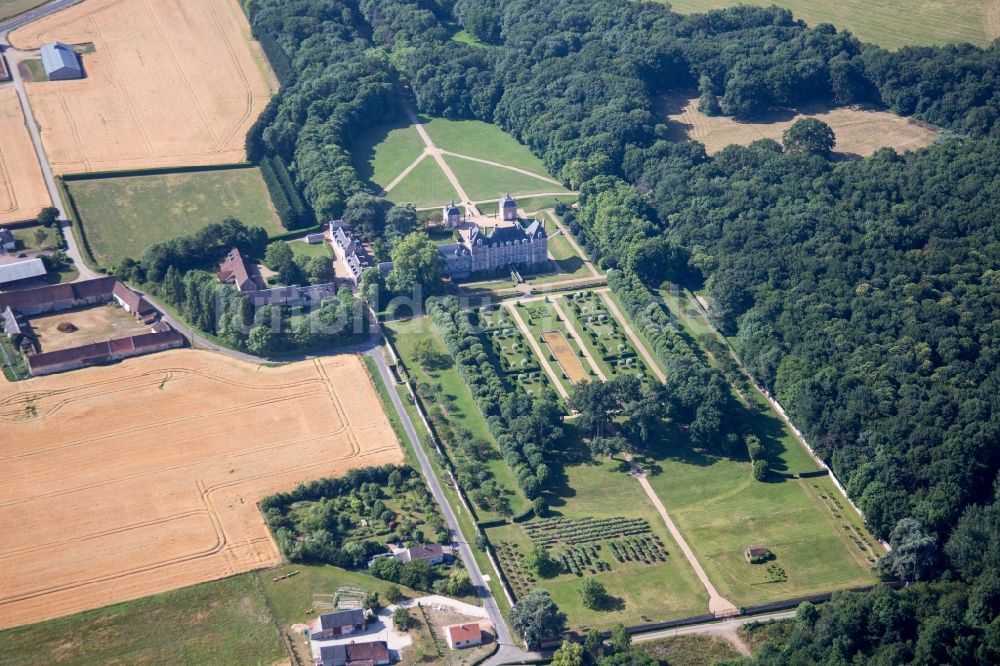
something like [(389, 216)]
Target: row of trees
[(524, 429)]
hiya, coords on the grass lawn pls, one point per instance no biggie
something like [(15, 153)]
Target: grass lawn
[(482, 181), (122, 216), (693, 650), (222, 622), (534, 204), (888, 23), (35, 71), (425, 186), (300, 248), (27, 242), (465, 412), (466, 37), (381, 153), (646, 592), (721, 509), (567, 258), (485, 141)]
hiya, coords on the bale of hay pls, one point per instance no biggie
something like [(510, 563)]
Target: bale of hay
[(66, 327)]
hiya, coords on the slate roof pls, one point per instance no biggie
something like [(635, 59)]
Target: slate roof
[(22, 270), (512, 234), (341, 619), (57, 56)]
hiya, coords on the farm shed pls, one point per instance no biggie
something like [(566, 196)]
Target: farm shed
[(61, 62), (21, 270)]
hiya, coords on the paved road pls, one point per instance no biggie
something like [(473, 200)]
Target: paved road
[(22, 19), (509, 651)]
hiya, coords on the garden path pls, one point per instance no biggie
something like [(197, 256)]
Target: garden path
[(542, 358), (586, 353), (650, 361)]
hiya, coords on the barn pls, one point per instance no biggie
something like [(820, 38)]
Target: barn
[(61, 62)]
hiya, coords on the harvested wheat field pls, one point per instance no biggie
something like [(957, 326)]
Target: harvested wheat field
[(568, 361), (22, 189), (860, 132), (169, 83), (137, 478)]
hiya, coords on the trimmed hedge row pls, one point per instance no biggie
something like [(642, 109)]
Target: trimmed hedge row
[(153, 171), (288, 203)]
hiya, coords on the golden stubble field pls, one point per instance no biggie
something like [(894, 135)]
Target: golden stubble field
[(141, 477), (22, 189), (860, 132), (169, 83)]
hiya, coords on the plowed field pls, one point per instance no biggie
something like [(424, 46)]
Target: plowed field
[(142, 477), (168, 83)]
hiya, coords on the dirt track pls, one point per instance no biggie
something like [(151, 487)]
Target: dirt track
[(142, 477), (22, 190), (169, 83), (859, 132)]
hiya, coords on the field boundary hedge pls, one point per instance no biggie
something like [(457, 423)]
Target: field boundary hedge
[(154, 171), (75, 223)]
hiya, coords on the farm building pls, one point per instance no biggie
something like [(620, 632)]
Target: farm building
[(340, 623), (21, 270), (134, 303), (464, 635), (375, 653), (59, 297), (61, 62), (431, 553), (7, 241), (757, 554)]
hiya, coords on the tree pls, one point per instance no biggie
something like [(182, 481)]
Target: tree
[(568, 654), (320, 270), (428, 356), (708, 102), (401, 220), (539, 561), (401, 618), (593, 594), (914, 553), (260, 341), (620, 640), (365, 214), (372, 601), (415, 261), (809, 135), (593, 645), (40, 236), (536, 617), (393, 594), (760, 469), (47, 216)]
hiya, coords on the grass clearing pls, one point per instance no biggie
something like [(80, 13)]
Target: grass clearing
[(693, 650), (425, 186), (859, 132), (569, 261), (535, 204), (222, 622), (891, 24), (122, 216), (482, 181)]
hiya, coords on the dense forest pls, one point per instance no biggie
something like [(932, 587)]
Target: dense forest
[(863, 294)]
